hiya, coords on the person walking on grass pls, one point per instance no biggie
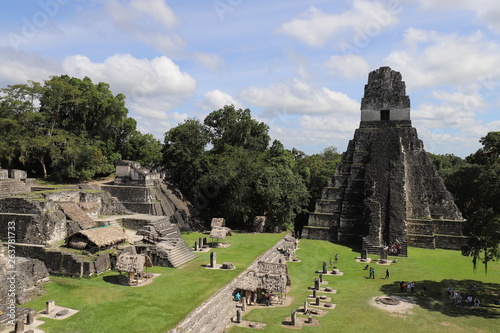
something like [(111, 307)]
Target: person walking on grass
[(387, 273)]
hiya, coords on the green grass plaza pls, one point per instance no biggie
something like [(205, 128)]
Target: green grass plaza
[(105, 306)]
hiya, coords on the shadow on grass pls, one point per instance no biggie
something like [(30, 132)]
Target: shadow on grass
[(114, 279), (436, 297)]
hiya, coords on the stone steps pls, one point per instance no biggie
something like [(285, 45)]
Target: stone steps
[(180, 253), (12, 187)]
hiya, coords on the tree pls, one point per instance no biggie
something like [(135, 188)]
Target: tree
[(71, 127), (317, 170), (231, 127), (476, 189), (184, 153), (225, 165)]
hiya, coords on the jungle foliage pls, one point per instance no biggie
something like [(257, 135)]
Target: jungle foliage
[(70, 128), (475, 185)]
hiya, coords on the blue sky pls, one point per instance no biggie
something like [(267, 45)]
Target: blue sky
[(299, 66)]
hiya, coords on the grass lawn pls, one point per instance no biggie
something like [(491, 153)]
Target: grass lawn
[(436, 269), (106, 307)]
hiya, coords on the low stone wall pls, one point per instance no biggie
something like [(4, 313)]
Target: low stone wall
[(135, 224), (316, 233), (426, 242), (130, 193), (27, 279), (450, 242), (66, 264)]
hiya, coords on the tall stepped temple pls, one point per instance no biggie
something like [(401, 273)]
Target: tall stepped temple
[(386, 190)]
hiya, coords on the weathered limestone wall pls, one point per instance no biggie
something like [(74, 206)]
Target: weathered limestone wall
[(26, 278), (130, 194), (66, 263), (44, 228)]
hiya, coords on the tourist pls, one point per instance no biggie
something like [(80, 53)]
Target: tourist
[(366, 267), (331, 262), (386, 274), (237, 297), (254, 298), (476, 302), (336, 257), (373, 273), (422, 291), (268, 299)]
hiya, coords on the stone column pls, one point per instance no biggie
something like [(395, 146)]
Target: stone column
[(205, 241), (213, 259), (196, 246), (200, 242), (320, 277), (294, 318), (50, 306), (383, 254), (19, 328), (306, 306), (314, 293), (316, 284), (310, 319), (324, 268), (364, 254), (243, 303), (317, 300), (238, 316), (30, 319)]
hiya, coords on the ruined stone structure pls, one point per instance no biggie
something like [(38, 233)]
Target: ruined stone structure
[(14, 182), (145, 192), (386, 189)]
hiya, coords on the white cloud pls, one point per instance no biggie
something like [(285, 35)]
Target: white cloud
[(487, 11), (19, 67), (298, 97), (138, 79), (315, 27), (150, 21), (430, 58), (210, 61), (216, 99), (350, 66), (153, 87)]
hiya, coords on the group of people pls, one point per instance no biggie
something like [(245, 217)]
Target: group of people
[(265, 296), (457, 298), (409, 288), (394, 248)]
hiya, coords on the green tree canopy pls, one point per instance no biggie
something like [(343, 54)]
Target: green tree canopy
[(70, 127), (475, 186)]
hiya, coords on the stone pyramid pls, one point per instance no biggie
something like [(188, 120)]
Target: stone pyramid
[(386, 189)]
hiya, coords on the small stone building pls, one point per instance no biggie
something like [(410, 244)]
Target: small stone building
[(133, 265), (97, 239), (270, 278), (219, 233), (132, 173), (218, 222)]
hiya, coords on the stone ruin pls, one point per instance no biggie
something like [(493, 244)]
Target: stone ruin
[(385, 188), (147, 191), (13, 181)]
